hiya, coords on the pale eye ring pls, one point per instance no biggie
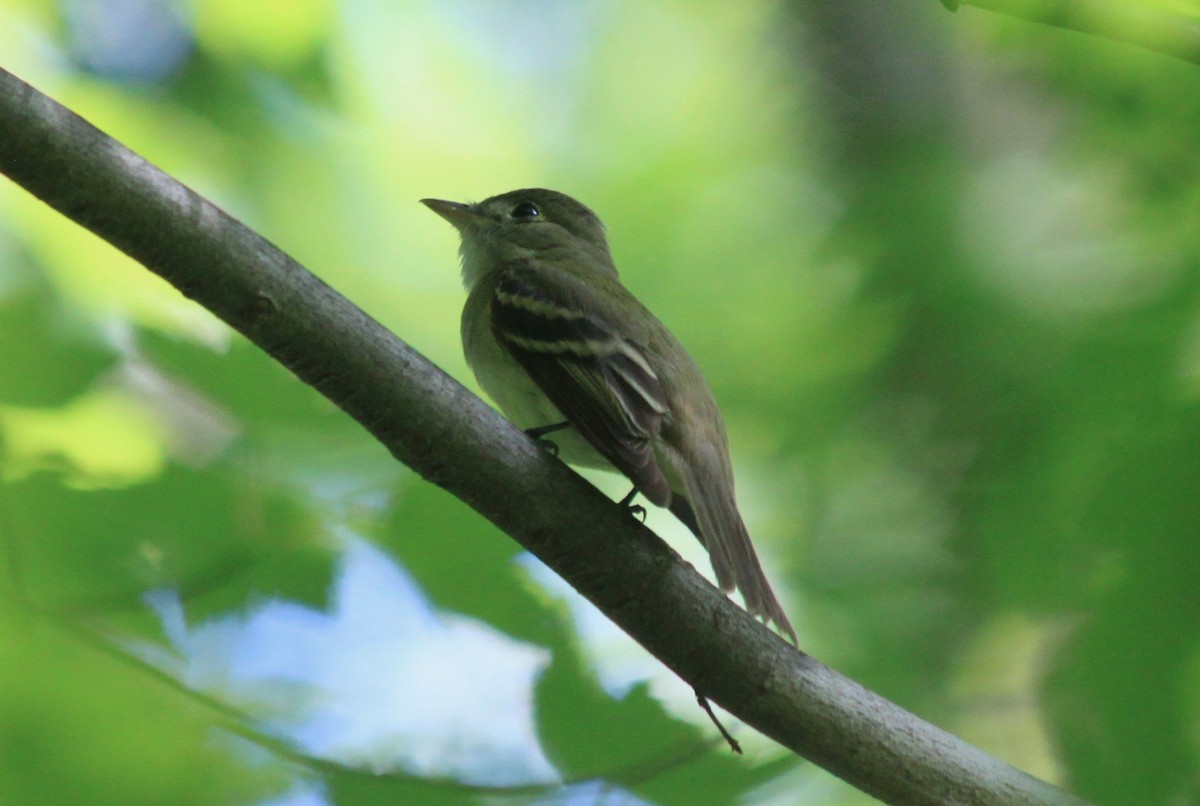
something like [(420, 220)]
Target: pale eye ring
[(526, 210)]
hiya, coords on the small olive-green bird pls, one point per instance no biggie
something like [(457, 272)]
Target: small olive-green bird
[(561, 346)]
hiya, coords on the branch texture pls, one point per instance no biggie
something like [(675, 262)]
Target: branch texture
[(438, 428)]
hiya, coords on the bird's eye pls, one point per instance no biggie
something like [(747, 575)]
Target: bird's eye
[(525, 210)]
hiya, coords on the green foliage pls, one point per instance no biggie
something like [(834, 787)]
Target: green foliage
[(80, 726), (463, 567), (941, 272), (46, 360), (632, 742)]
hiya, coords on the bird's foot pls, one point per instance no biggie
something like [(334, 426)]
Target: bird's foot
[(540, 435), (636, 510)]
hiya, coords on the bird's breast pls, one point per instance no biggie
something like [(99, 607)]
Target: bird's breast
[(515, 393)]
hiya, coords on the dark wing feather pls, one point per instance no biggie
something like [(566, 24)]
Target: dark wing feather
[(598, 379)]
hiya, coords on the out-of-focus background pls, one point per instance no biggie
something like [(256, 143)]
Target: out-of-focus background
[(940, 268)]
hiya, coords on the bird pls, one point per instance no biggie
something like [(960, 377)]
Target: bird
[(563, 348)]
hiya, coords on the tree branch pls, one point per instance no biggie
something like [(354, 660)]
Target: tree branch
[(1153, 26), (449, 436)]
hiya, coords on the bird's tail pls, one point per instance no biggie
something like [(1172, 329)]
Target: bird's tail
[(708, 508)]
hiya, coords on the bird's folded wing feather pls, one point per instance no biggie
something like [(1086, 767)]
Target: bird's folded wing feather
[(598, 378)]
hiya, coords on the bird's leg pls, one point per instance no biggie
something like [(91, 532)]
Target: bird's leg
[(540, 433), (637, 510)]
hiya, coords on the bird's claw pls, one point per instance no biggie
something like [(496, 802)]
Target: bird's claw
[(540, 435)]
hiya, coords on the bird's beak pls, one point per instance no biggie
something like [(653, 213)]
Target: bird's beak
[(456, 213)]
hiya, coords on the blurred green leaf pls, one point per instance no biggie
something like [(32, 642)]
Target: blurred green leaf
[(363, 789), (633, 742), (465, 564), (209, 534), (77, 726), (48, 355)]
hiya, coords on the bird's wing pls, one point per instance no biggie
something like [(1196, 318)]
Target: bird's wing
[(601, 380)]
